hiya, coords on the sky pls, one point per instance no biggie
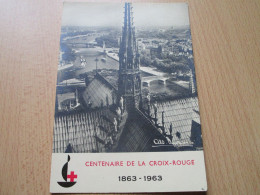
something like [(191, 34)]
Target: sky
[(111, 14)]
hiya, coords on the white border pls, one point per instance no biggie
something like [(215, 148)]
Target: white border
[(176, 178)]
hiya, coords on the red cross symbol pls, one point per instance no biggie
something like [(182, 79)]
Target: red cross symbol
[(72, 176)]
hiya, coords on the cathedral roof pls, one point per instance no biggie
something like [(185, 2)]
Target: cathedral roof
[(139, 134), (88, 132), (180, 113), (98, 92), (84, 132)]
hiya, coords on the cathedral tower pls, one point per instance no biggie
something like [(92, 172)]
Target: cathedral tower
[(129, 82)]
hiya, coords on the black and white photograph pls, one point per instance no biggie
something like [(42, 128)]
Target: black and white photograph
[(126, 80)]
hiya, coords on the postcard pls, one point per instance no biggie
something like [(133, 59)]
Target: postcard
[(127, 117)]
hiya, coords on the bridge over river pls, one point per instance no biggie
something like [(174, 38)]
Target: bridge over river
[(147, 80)]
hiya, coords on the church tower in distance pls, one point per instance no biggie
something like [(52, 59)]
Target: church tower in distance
[(129, 81)]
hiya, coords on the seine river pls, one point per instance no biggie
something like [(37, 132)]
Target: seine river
[(90, 55)]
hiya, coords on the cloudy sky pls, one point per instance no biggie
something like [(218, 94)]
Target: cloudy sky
[(111, 14)]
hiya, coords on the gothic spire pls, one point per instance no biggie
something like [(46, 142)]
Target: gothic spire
[(128, 52), (129, 80)]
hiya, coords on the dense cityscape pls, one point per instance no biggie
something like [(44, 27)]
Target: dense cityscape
[(163, 51)]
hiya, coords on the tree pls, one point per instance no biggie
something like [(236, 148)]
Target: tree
[(109, 40), (145, 61)]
